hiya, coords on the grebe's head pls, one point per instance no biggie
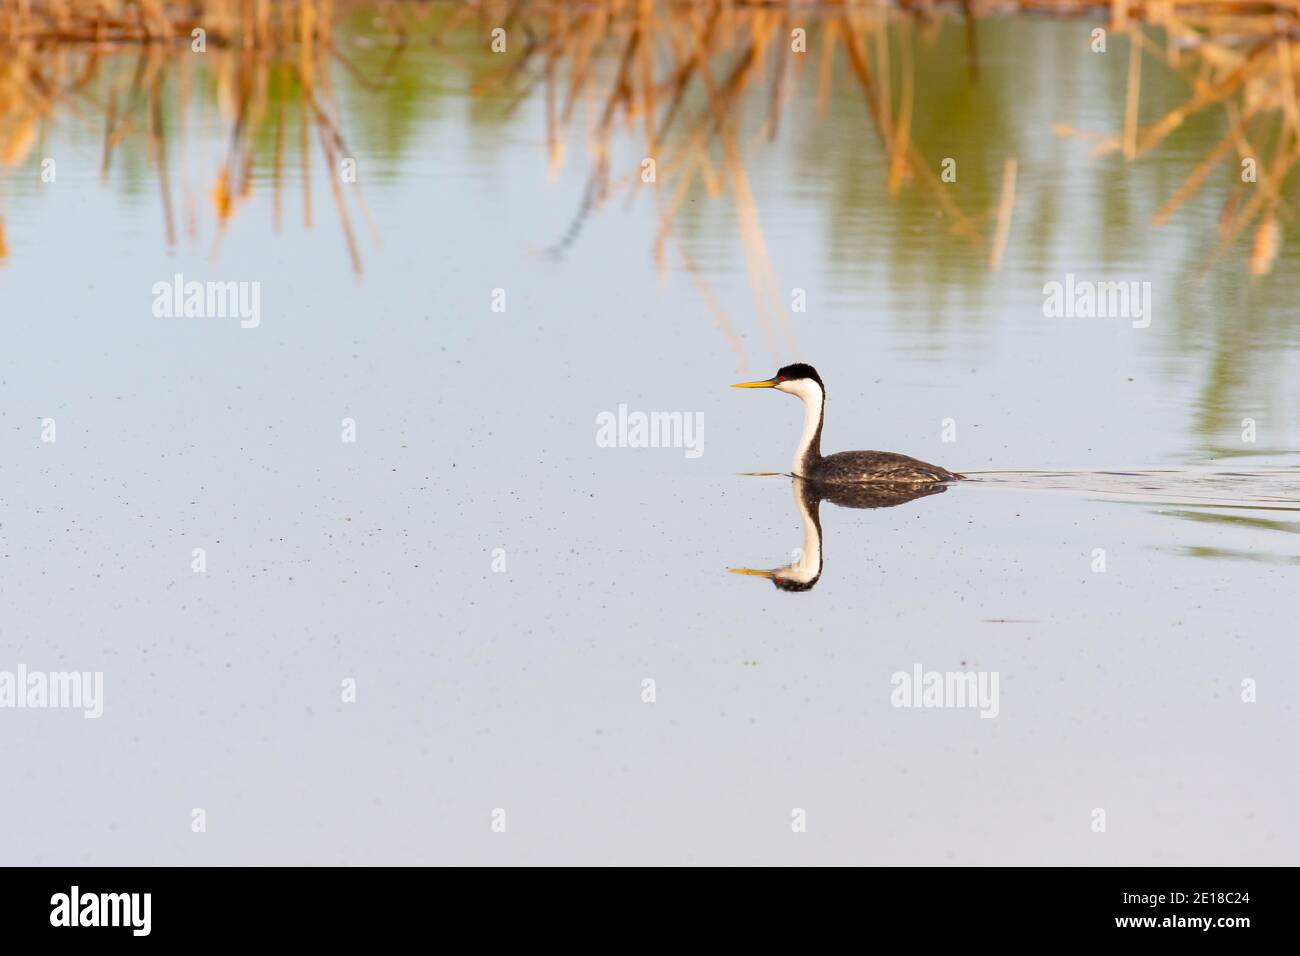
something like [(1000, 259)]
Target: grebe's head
[(794, 578), (798, 379)]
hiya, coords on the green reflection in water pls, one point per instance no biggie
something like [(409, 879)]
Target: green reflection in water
[(711, 96)]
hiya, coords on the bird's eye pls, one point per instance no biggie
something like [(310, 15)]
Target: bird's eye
[(780, 378)]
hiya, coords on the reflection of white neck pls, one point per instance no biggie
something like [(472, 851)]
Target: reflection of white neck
[(814, 400), (809, 566)]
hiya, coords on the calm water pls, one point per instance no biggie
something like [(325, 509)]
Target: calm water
[(521, 688)]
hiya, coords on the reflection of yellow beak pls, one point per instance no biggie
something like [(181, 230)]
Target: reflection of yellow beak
[(766, 383), (753, 571)]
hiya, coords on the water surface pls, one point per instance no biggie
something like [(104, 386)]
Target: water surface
[(522, 689)]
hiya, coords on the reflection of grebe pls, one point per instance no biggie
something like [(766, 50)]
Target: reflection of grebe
[(847, 467), (803, 574)]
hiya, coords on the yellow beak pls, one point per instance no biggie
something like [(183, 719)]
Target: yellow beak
[(766, 383), (752, 571)]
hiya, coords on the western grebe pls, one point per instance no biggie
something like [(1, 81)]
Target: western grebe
[(846, 467), (804, 573)]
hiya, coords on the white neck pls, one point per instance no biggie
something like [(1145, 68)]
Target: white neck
[(814, 400)]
